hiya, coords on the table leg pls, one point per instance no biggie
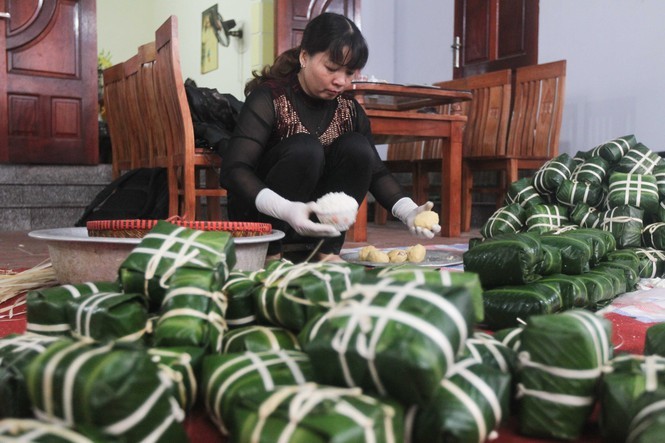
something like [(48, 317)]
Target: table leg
[(358, 232), (451, 182)]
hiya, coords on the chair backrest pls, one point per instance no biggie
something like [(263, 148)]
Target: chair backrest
[(535, 123), (487, 114), (149, 102), (136, 125), (171, 88), (115, 111)]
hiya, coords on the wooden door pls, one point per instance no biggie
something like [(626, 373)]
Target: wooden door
[(48, 82), (495, 34), (291, 17)]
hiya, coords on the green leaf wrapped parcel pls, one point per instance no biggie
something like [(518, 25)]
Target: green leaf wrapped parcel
[(468, 406), (638, 160), (168, 248), (290, 296), (625, 223), (509, 259), (624, 381), (545, 218), (316, 414), (614, 150), (435, 278), (16, 353), (654, 341), (523, 193), (47, 308), (561, 358), (192, 312), (507, 219), (257, 338), (113, 389), (505, 306), (392, 338), (635, 190), (226, 378), (547, 179), (17, 430)]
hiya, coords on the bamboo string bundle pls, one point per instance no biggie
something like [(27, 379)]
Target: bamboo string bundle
[(14, 286)]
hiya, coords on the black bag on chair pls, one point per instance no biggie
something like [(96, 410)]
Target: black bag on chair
[(141, 193)]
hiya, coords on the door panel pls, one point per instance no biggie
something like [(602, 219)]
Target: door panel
[(291, 17), (48, 107), (495, 34)]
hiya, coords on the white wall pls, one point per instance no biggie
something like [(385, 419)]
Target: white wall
[(615, 82), (123, 25)]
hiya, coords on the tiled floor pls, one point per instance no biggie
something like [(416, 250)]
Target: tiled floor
[(19, 251)]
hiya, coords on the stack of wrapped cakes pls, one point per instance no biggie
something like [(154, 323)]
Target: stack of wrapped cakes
[(581, 231)]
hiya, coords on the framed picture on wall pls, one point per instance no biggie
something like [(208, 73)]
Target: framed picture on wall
[(209, 46)]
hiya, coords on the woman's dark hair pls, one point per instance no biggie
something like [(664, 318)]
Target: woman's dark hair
[(330, 32)]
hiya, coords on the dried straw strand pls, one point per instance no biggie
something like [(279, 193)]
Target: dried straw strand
[(14, 284)]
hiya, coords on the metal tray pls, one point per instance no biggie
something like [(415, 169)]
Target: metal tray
[(434, 258)]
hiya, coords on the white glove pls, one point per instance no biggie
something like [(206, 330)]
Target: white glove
[(295, 214), (406, 210)]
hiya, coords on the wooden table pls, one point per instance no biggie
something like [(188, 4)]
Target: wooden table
[(393, 113)]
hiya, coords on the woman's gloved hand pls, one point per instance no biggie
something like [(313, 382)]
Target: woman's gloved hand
[(406, 210), (296, 214)]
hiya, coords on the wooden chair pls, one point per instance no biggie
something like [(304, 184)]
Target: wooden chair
[(123, 158), (185, 161), (485, 132)]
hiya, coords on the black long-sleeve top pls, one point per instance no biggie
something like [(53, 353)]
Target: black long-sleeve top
[(276, 110)]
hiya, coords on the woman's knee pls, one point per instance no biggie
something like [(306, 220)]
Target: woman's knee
[(356, 147), (304, 149)]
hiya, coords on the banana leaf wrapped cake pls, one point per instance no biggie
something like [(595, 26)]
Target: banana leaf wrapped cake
[(548, 178), (571, 288), (571, 192), (653, 236), (183, 366), (576, 253), (112, 389), (635, 190), (292, 295), (585, 216), (654, 341), (625, 223), (488, 350), (648, 424), (625, 380), (592, 170), (227, 378), (109, 316), (168, 248), (638, 160), (509, 259), (192, 311), (561, 357), (652, 262), (508, 219), (506, 306), (35, 431), (614, 150), (16, 353), (47, 308), (523, 193), (392, 338), (435, 278), (257, 338), (468, 406), (316, 414), (546, 218)]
